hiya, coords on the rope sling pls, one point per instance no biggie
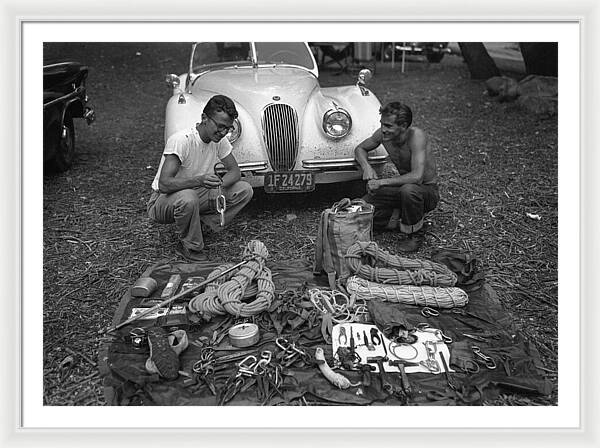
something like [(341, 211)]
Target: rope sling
[(431, 296), (225, 294), (362, 258)]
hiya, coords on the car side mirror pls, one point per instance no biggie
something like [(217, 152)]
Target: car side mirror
[(364, 76)]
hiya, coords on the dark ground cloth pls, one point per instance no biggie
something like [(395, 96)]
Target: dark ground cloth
[(127, 382)]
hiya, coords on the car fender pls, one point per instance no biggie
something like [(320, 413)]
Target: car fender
[(364, 111), (182, 112)]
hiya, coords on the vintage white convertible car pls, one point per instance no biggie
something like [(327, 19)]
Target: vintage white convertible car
[(290, 133)]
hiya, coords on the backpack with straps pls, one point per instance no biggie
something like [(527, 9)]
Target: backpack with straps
[(345, 223)]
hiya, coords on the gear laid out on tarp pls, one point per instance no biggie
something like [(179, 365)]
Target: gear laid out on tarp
[(470, 354)]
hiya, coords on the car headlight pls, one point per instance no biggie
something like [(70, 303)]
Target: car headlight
[(337, 123), (235, 133)]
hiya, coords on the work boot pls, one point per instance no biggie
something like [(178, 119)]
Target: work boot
[(178, 340), (191, 255), (163, 359)]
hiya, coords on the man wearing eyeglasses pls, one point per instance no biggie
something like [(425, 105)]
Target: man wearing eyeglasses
[(186, 175)]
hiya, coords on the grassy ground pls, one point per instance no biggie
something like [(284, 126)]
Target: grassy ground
[(497, 164)]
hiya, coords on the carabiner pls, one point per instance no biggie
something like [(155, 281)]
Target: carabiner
[(280, 341), (266, 355), (198, 367), (342, 335), (221, 204), (247, 363), (260, 366), (422, 326), (488, 361), (429, 312), (442, 337)]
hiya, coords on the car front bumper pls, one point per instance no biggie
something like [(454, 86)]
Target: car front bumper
[(326, 170)]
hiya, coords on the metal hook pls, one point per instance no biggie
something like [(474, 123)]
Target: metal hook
[(429, 312), (487, 360)]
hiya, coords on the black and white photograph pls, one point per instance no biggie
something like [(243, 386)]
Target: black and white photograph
[(299, 231), (300, 223)]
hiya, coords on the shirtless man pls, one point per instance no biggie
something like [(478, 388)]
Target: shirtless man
[(400, 201)]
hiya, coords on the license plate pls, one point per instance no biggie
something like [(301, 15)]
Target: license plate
[(289, 182)]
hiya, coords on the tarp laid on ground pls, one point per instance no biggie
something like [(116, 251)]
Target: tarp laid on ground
[(126, 381)]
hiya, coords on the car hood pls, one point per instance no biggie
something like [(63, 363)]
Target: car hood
[(254, 88)]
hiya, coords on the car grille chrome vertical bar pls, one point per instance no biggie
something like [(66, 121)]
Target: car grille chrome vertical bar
[(280, 132)]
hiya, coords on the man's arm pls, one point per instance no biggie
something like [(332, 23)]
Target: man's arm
[(418, 149), (233, 173), (361, 151), (168, 183)]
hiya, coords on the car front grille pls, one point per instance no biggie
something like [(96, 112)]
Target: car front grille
[(280, 131)]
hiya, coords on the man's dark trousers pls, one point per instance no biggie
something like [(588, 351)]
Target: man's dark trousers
[(403, 206)]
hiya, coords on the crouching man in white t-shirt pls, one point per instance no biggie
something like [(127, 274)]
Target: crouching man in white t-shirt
[(186, 176)]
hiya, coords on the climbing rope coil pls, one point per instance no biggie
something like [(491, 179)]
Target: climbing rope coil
[(362, 258), (432, 296), (224, 295), (404, 280)]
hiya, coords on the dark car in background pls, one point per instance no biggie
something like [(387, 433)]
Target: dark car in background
[(65, 98), (433, 51)]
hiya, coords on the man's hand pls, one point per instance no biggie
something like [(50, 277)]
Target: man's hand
[(373, 185), (361, 154), (369, 173), (209, 180)]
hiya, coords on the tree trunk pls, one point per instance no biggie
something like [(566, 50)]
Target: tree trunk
[(541, 58), (481, 65)]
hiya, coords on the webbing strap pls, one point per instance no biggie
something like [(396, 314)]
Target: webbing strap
[(319, 248), (328, 266), (326, 326)]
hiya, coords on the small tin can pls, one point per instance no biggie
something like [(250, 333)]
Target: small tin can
[(243, 335), (143, 287)]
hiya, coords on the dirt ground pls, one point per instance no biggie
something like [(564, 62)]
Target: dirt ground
[(497, 165)]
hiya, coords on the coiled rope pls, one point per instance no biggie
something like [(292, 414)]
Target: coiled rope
[(437, 297), (362, 258), (225, 294)]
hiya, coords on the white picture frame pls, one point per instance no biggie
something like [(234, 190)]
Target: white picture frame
[(16, 230)]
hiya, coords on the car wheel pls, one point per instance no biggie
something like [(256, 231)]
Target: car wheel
[(435, 57), (65, 150)]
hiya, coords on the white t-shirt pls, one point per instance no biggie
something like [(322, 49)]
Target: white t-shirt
[(196, 157)]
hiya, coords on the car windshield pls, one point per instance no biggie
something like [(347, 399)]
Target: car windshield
[(207, 54)]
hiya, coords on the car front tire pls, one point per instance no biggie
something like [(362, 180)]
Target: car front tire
[(65, 149)]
